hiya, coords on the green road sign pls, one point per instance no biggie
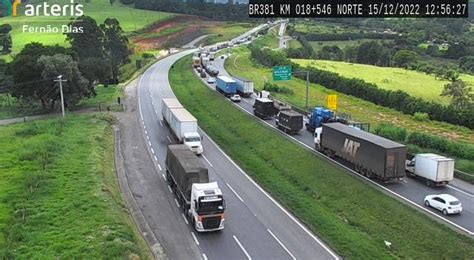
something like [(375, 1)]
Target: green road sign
[(282, 73)]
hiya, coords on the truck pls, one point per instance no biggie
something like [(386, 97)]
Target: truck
[(226, 85), (318, 116), (201, 200), (212, 55), (166, 105), (289, 121), (211, 70), (204, 61), (196, 61), (183, 125), (244, 86), (435, 170), (263, 108), (371, 155)]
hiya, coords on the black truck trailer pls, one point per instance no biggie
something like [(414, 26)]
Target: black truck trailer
[(263, 108), (289, 121), (371, 155)]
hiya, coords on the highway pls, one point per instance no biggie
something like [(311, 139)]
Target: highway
[(410, 190), (256, 226)]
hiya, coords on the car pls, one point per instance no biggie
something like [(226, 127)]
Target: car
[(199, 70), (211, 80), (203, 74), (235, 98), (445, 203)]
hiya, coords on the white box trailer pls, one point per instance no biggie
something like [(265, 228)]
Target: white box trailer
[(244, 86), (166, 105), (435, 169), (184, 126)]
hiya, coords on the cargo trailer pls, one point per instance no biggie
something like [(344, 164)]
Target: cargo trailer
[(263, 108), (289, 121), (196, 61), (201, 200), (244, 86), (435, 169), (226, 85), (166, 105), (371, 155)]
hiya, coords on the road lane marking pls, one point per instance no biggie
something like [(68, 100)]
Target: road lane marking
[(164, 178), (204, 256), (147, 137), (169, 139), (185, 220), (154, 157), (195, 238), (241, 247), (152, 151), (149, 143), (159, 167), (169, 188), (144, 126), (177, 203), (236, 194), (281, 244), (146, 132), (161, 123), (465, 193), (207, 160)]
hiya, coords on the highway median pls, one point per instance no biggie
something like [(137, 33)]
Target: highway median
[(352, 217)]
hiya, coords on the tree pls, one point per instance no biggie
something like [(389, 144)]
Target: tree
[(456, 51), (88, 44), (467, 64), (330, 53), (369, 52), (404, 58), (95, 69), (111, 2), (76, 86), (459, 92), (6, 44), (115, 45)]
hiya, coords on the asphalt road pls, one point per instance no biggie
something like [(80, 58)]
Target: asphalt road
[(411, 190), (256, 226)]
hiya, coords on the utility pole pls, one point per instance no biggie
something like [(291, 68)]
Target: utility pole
[(307, 88), (60, 80)]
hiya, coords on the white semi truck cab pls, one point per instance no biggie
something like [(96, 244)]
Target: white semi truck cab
[(207, 207), (193, 141)]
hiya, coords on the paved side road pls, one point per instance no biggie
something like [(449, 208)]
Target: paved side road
[(151, 205)]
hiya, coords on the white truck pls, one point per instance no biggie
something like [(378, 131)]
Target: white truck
[(435, 169), (182, 123), (244, 86)]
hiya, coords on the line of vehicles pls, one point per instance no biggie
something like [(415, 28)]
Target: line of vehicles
[(201, 200)]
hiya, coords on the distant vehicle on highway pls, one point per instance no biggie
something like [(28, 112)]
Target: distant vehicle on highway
[(435, 170), (445, 203), (211, 80), (289, 121), (235, 98), (203, 74), (226, 85), (201, 200), (199, 70)]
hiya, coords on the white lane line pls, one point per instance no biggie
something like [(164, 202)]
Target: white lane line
[(146, 132), (281, 244), (185, 220), (177, 203), (274, 201), (144, 126), (195, 238), (241, 247), (147, 137), (154, 157), (161, 123), (159, 167), (236, 194), (164, 178), (149, 143), (152, 151), (207, 160), (169, 188), (169, 139), (204, 256), (465, 193)]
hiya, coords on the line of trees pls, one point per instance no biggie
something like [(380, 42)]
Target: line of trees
[(398, 100), (5, 38), (94, 57), (347, 36)]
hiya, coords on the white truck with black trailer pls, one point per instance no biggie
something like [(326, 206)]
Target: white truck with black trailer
[(435, 170), (183, 125), (201, 200)]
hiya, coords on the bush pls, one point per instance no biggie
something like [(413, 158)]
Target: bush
[(391, 132), (147, 55), (276, 89), (422, 117)]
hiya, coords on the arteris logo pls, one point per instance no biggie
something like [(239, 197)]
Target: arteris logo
[(43, 9)]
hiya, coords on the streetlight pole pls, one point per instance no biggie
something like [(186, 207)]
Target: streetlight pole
[(60, 80)]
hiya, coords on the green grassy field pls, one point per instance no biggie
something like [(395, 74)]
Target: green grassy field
[(352, 217), (59, 195), (317, 45), (294, 44), (130, 19), (222, 33), (269, 40), (414, 83), (324, 27)]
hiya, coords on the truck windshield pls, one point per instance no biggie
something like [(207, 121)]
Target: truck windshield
[(192, 139), (211, 207)]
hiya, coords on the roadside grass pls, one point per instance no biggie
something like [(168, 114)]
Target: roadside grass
[(294, 44), (324, 27), (130, 19), (59, 195), (414, 83), (352, 217), (360, 110), (222, 33)]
